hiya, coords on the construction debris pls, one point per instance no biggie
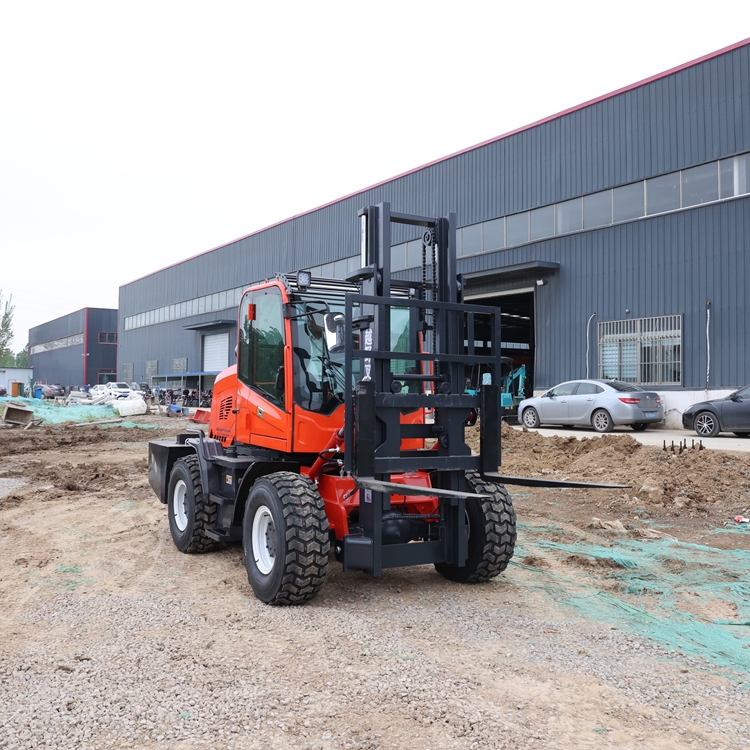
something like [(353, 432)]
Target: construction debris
[(17, 414)]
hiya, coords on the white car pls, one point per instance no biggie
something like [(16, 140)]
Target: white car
[(118, 390)]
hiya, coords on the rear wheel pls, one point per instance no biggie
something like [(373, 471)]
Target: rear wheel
[(190, 512), (601, 421), (530, 417), (706, 424), (639, 426), (285, 539), (491, 523)]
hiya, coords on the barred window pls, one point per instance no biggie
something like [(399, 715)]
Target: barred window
[(152, 368), (645, 351), (179, 364), (107, 337)]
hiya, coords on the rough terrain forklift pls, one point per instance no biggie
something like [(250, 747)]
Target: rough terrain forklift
[(342, 427)]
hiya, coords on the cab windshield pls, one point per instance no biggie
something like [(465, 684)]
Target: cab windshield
[(319, 381)]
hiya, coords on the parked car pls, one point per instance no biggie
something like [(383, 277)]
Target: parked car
[(729, 414), (120, 390), (600, 404), (50, 391), (3, 391)]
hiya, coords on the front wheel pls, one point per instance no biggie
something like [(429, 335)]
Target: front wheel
[(601, 421), (530, 417), (285, 539), (706, 424), (639, 426), (190, 512), (491, 528)]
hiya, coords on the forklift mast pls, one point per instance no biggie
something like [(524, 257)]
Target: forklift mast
[(412, 342)]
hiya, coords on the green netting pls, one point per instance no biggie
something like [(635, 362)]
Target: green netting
[(689, 597), (54, 414)]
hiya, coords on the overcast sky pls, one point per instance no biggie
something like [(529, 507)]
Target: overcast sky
[(134, 135)]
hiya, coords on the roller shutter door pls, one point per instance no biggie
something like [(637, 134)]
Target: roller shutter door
[(216, 352)]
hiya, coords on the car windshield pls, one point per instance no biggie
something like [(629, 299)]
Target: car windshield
[(618, 385), (121, 386)]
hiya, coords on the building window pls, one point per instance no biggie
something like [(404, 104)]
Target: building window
[(106, 376), (179, 364), (643, 351), (152, 369), (107, 338), (663, 193), (517, 229), (75, 340), (127, 372), (627, 202)]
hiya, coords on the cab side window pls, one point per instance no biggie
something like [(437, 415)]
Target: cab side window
[(261, 342)]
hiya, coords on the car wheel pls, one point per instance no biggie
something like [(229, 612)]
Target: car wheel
[(530, 417), (706, 424), (639, 426), (601, 421)]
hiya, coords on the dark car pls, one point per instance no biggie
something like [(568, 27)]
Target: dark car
[(3, 391), (728, 414), (50, 391)]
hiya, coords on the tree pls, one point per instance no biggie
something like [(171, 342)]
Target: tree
[(22, 358), (7, 358)]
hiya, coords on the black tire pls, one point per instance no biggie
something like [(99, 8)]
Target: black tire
[(639, 426), (285, 539), (706, 424), (190, 512), (492, 533), (530, 417), (601, 421)]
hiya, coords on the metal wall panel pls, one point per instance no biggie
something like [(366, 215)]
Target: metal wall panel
[(692, 116)]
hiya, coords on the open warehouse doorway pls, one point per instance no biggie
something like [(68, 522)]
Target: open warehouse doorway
[(517, 336)]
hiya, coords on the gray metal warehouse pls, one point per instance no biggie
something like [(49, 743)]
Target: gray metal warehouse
[(614, 236), (75, 349)]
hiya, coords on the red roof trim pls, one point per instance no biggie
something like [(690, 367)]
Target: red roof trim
[(568, 111)]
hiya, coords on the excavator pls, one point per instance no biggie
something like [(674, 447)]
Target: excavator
[(340, 431)]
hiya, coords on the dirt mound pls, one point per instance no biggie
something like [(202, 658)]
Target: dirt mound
[(690, 479), (53, 437)]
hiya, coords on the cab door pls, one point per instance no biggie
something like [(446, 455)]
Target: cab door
[(262, 417)]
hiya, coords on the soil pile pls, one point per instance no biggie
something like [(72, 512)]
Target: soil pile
[(692, 478)]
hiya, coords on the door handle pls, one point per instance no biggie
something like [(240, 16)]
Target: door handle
[(563, 400), (589, 399)]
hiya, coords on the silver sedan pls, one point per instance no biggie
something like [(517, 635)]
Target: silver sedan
[(600, 404)]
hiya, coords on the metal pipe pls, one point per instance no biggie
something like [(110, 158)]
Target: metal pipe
[(593, 315), (708, 341)]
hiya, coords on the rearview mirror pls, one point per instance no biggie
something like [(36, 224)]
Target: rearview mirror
[(335, 324)]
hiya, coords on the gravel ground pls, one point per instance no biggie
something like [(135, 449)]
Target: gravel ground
[(112, 638)]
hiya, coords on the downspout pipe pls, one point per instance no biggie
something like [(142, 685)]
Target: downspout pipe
[(593, 315)]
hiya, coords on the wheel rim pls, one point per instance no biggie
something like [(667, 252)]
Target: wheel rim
[(704, 424), (179, 505), (528, 419), (601, 420), (264, 540)]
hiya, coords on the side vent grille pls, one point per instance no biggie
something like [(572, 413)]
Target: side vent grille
[(225, 408)]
